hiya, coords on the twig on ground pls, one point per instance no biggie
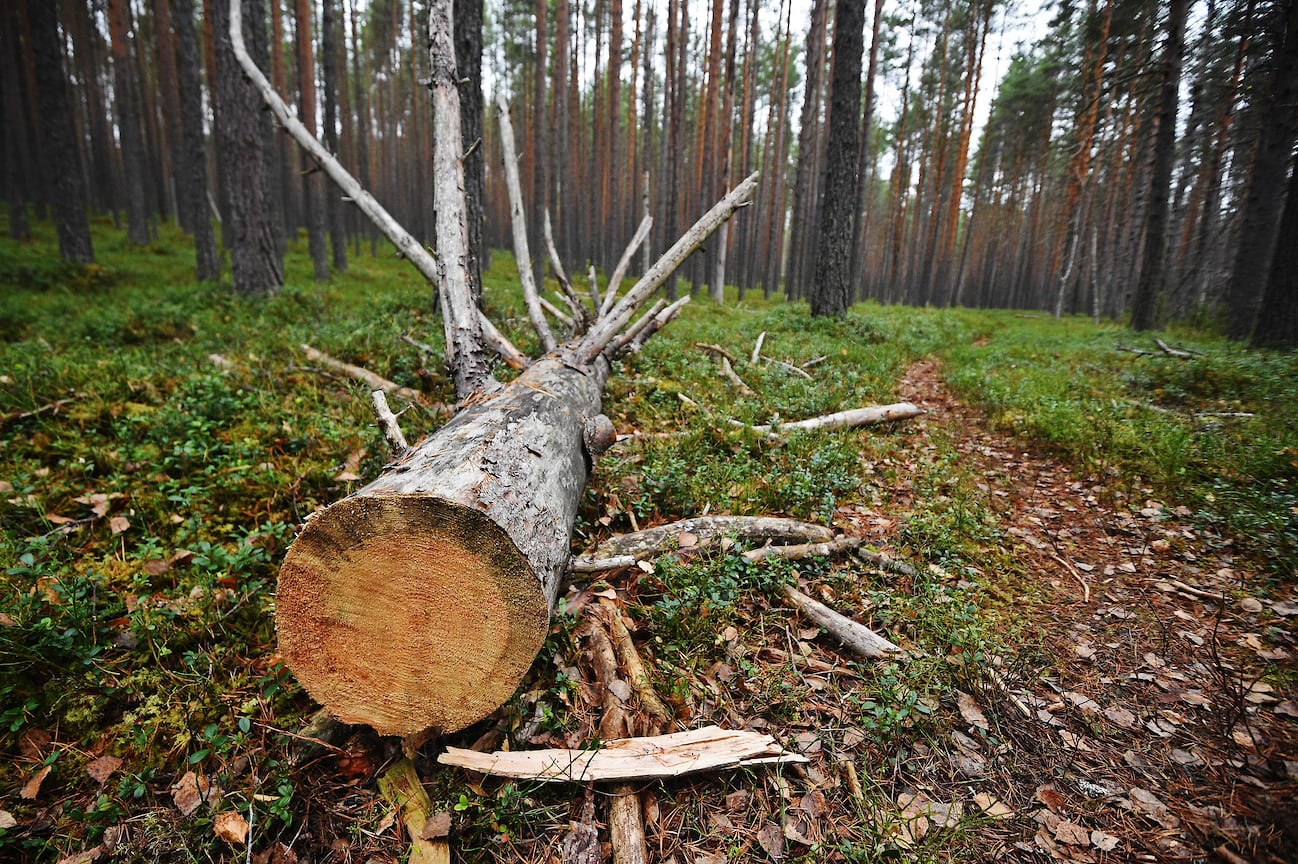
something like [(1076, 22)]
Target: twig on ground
[(854, 636)]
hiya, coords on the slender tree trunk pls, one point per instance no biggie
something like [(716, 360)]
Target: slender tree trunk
[(539, 157), (832, 290), (128, 122), (468, 63), (192, 164), (168, 83), (559, 121), (62, 169), (86, 47), (329, 57), (1153, 265), (364, 162), (288, 191), (802, 239), (312, 181), (865, 178)]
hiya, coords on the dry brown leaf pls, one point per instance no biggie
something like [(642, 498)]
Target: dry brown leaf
[(1084, 651), (1104, 842), (102, 768), (687, 539), (32, 787), (771, 838), (191, 791), (1121, 717), (1050, 797), (1149, 805), (118, 524), (352, 466), (231, 827), (970, 711), (33, 742), (1289, 708), (1072, 834), (7, 820), (83, 857), (993, 806), (1251, 604)]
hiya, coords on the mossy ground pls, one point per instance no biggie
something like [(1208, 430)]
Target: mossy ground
[(143, 518)]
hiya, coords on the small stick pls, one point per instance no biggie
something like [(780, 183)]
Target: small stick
[(1086, 588), (513, 358), (728, 372), (388, 424), (1167, 349), (794, 369), (559, 273), (553, 310), (854, 636), (805, 550), (419, 346), (716, 349), (757, 349), (626, 652), (815, 361)]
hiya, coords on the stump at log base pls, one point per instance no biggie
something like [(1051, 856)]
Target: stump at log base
[(419, 602)]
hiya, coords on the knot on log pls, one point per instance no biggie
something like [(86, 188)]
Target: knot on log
[(599, 435)]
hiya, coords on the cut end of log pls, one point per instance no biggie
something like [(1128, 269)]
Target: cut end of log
[(462, 616)]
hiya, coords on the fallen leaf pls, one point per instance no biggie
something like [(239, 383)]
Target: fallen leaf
[(1049, 796), (32, 787), (772, 840), (1121, 717), (33, 742), (1084, 651), (1186, 758), (191, 791), (1104, 842), (1288, 708), (687, 539), (993, 806), (231, 827), (6, 486), (1251, 604), (118, 524), (970, 711), (1076, 742), (1072, 834), (83, 857), (352, 466), (813, 804), (1284, 608), (436, 826), (7, 820), (102, 768), (1149, 805)]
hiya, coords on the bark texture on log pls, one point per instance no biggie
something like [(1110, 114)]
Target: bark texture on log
[(461, 543)]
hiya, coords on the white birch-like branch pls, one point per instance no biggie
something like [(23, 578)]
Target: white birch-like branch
[(615, 281), (531, 297), (607, 328)]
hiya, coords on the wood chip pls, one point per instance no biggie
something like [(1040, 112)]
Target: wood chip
[(708, 749)]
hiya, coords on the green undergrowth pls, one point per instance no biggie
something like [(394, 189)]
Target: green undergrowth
[(179, 436)]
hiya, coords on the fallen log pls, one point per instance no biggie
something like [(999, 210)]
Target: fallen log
[(419, 601)]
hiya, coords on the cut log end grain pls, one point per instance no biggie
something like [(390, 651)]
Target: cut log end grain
[(407, 612)]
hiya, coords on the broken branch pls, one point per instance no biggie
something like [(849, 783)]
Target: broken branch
[(854, 636), (388, 424)]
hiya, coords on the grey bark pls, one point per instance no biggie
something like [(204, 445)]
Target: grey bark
[(191, 171)]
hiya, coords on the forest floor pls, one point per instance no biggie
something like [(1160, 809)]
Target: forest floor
[(1099, 625)]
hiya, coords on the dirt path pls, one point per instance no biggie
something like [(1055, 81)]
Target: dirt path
[(1151, 710)]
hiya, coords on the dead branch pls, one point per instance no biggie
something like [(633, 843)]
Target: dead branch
[(513, 358), (854, 636), (600, 565), (462, 320), (553, 253), (615, 281), (50, 408), (531, 298), (559, 316), (630, 658), (632, 342), (608, 326), (1174, 352), (757, 348), (657, 757), (848, 419), (422, 348), (388, 424), (824, 549), (702, 530), (728, 372), (375, 382), (796, 370), (717, 350)]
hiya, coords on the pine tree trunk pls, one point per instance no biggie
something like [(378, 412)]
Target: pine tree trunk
[(1152, 269), (312, 183), (831, 291), (1277, 325), (1262, 207), (60, 160), (802, 239), (242, 134)]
